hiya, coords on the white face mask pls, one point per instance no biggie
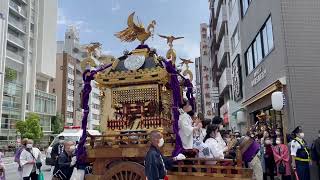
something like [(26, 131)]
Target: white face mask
[(29, 146), (220, 127), (268, 142), (161, 142), (301, 135), (61, 141), (72, 148), (278, 142)]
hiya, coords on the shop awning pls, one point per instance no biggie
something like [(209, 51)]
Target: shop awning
[(273, 87)]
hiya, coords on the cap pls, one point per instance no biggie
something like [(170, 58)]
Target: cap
[(297, 130), (217, 120)]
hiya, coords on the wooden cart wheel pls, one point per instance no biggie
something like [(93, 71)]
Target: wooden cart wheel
[(125, 170)]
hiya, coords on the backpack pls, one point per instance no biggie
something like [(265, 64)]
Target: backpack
[(314, 153)]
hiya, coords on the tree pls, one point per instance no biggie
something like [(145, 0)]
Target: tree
[(30, 128), (57, 124)]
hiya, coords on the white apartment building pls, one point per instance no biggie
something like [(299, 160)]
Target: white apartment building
[(27, 63), (68, 84)]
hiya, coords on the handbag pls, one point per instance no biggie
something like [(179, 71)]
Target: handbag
[(40, 176), (38, 162), (282, 167)]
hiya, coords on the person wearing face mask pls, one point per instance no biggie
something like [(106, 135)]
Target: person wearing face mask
[(57, 149), (186, 129), (156, 165), (18, 153), (268, 159), (282, 159), (30, 161), (66, 162), (218, 121), (300, 155)]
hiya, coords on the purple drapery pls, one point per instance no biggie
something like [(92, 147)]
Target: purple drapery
[(87, 77), (189, 94), (175, 86)]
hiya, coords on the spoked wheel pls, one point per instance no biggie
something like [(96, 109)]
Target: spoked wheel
[(125, 171)]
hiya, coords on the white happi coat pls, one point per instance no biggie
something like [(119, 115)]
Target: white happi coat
[(215, 150), (185, 130), (25, 157)]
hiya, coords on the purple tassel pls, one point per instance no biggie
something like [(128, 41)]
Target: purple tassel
[(81, 150)]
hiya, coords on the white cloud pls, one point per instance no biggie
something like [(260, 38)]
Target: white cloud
[(65, 21)]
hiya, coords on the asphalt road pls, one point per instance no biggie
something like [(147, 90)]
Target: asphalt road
[(11, 169)]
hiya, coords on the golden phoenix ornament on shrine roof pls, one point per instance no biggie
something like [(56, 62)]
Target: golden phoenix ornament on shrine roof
[(136, 31)]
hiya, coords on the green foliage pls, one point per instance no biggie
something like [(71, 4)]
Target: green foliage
[(57, 124), (30, 128), (10, 74)]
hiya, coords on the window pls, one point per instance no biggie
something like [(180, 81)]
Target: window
[(267, 37), (70, 70), (231, 4), (96, 95), (244, 6), (235, 39), (70, 103), (249, 60), (70, 81), (69, 115), (96, 106), (70, 92), (260, 47)]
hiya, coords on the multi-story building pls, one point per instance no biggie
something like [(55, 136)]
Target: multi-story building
[(28, 36), (204, 75), (68, 84), (225, 47), (274, 46)]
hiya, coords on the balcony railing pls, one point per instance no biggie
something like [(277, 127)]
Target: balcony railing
[(217, 5), (19, 25), (225, 80), (12, 89), (221, 21), (15, 56), (16, 40), (18, 9), (223, 50), (45, 102)]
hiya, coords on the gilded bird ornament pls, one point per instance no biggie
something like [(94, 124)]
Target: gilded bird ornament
[(92, 47), (186, 62), (170, 39), (136, 31)]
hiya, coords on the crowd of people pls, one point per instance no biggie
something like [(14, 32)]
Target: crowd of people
[(29, 162), (266, 152)]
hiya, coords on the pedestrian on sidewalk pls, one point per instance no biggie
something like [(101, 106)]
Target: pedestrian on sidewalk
[(17, 155), (30, 160), (282, 159)]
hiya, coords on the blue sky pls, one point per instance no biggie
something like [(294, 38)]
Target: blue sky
[(98, 20)]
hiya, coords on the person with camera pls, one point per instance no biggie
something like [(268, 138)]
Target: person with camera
[(66, 162), (30, 161)]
